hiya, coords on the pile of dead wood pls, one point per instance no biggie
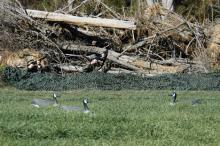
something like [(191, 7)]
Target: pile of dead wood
[(157, 41)]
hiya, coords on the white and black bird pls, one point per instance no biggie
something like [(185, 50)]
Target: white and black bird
[(174, 97), (45, 102), (85, 108)]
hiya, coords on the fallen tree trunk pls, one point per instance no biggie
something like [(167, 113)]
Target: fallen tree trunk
[(76, 68), (70, 68), (120, 70), (113, 56), (131, 62), (82, 21), (93, 49)]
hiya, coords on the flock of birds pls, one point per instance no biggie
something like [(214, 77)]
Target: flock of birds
[(54, 102)]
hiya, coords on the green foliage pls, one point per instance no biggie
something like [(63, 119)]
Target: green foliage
[(2, 68), (121, 118), (2, 83), (98, 80)]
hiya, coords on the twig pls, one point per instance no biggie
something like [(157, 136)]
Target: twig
[(113, 13), (150, 45), (61, 10), (74, 9), (186, 51), (140, 44)]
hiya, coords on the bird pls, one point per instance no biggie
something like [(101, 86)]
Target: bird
[(85, 108), (45, 102), (174, 97)]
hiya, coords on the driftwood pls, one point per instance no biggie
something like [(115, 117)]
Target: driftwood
[(70, 68), (75, 68), (112, 56), (131, 62), (82, 21), (164, 46), (93, 49), (121, 70)]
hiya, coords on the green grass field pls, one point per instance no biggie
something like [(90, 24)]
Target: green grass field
[(121, 118)]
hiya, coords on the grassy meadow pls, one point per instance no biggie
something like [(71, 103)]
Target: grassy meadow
[(127, 118)]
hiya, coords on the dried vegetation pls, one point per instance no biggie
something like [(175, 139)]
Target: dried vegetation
[(161, 42)]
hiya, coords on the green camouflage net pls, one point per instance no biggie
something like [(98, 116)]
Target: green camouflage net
[(97, 80)]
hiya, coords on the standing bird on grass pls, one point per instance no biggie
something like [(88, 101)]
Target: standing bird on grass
[(174, 96)]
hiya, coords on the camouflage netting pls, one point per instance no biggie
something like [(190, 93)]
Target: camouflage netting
[(97, 80)]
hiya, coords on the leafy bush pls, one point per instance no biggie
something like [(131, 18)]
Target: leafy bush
[(2, 68), (97, 80)]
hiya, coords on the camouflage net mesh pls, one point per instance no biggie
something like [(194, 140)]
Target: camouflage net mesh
[(97, 80)]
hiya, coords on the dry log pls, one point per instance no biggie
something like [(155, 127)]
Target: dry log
[(76, 68), (80, 21), (133, 63), (120, 70), (93, 49), (70, 68), (123, 60), (124, 63), (90, 49), (157, 68)]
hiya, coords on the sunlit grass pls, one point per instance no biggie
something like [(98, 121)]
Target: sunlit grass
[(121, 118)]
